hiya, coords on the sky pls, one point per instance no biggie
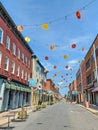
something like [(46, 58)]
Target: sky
[(64, 30)]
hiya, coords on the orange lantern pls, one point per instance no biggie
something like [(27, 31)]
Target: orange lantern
[(73, 45), (52, 47), (82, 49), (46, 58), (20, 28), (55, 67), (78, 14)]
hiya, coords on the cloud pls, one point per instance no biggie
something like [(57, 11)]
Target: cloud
[(72, 62), (48, 66)]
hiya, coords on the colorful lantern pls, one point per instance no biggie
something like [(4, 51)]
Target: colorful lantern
[(46, 58), (54, 74), (65, 56), (61, 76), (36, 59), (66, 66), (73, 45), (52, 47), (78, 14), (45, 26), (55, 67), (27, 39), (83, 49), (20, 28), (59, 73)]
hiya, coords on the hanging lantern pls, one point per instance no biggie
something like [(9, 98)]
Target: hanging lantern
[(73, 45), (79, 61), (36, 59), (55, 67), (46, 71), (19, 28), (59, 73), (65, 56), (66, 74), (54, 74), (78, 14), (27, 39), (45, 26), (46, 58), (52, 47), (82, 49), (66, 66), (61, 76)]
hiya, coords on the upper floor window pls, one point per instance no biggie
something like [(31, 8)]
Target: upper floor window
[(18, 53), (89, 79), (96, 51), (18, 70), (29, 63), (1, 36), (87, 64), (93, 58), (22, 74), (28, 76), (13, 67), (22, 57), (25, 75), (6, 64), (14, 49), (26, 61), (0, 58), (8, 42)]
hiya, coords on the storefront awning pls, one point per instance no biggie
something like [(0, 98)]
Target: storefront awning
[(95, 89)]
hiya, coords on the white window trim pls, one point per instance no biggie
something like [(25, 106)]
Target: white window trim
[(13, 67), (18, 71), (18, 53), (14, 49), (8, 42), (7, 64), (1, 42), (0, 58)]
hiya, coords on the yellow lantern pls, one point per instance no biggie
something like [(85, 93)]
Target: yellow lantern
[(65, 56), (45, 26), (59, 73), (27, 39), (36, 59), (20, 28)]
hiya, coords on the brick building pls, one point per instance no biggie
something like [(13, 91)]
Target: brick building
[(15, 65)]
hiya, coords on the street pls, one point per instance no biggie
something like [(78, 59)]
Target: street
[(60, 116)]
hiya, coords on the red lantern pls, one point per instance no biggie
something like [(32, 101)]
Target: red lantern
[(78, 15), (46, 58), (66, 66), (73, 45), (54, 74), (55, 66)]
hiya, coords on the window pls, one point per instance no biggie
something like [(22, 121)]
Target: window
[(96, 51), (6, 64), (25, 75), (29, 63), (1, 36), (93, 59), (8, 43), (89, 79), (28, 76), (26, 61), (18, 53), (22, 57), (22, 74), (0, 58), (87, 64), (14, 49), (13, 67), (18, 70)]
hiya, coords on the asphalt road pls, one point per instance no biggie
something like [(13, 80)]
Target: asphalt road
[(60, 116)]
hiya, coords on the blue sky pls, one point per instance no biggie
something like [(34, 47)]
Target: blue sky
[(64, 30)]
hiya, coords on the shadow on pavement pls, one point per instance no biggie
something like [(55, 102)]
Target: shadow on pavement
[(6, 128)]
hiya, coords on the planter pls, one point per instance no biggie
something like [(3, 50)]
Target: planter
[(87, 104), (22, 115)]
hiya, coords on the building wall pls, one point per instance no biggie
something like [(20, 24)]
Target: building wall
[(6, 52)]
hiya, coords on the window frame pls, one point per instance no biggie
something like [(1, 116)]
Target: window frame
[(13, 67), (0, 58), (7, 64), (1, 37), (8, 42)]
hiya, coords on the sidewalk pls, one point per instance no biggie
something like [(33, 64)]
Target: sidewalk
[(92, 108), (4, 120)]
